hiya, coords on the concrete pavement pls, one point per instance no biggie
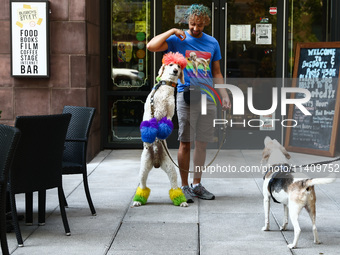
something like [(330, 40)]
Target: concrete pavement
[(230, 224)]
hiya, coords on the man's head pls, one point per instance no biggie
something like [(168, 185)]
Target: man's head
[(198, 17)]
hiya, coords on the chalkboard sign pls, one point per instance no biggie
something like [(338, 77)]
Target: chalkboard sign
[(316, 69)]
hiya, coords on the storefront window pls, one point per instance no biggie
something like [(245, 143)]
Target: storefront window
[(130, 32), (130, 70), (308, 22)]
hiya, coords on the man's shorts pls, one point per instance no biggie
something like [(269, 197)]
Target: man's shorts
[(193, 126)]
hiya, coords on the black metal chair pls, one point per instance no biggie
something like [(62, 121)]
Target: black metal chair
[(74, 159), (9, 138), (37, 164)]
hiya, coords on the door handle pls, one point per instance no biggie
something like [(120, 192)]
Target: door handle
[(225, 39), (212, 18)]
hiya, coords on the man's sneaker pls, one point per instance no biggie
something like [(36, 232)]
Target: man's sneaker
[(187, 191), (202, 193)]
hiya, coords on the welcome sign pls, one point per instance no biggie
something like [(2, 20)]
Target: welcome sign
[(29, 39)]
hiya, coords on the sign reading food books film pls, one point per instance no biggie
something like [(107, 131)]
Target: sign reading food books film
[(29, 39)]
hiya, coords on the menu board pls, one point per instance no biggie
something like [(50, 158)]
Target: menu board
[(316, 69)]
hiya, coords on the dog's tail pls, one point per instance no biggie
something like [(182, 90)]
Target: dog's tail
[(316, 181)]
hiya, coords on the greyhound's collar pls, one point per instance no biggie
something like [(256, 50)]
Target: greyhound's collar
[(169, 83)]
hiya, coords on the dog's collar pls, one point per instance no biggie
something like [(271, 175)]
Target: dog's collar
[(169, 83), (155, 88)]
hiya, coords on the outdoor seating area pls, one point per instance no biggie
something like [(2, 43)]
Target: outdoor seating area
[(230, 224), (34, 156)]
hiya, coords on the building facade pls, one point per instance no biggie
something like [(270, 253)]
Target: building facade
[(74, 66), (98, 57)]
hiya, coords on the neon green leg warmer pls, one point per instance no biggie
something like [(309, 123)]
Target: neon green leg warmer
[(142, 195), (177, 196)]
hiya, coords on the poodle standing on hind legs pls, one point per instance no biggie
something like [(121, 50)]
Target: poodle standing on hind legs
[(157, 126)]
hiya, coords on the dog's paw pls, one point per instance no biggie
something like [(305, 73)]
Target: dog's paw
[(184, 204), (283, 228), (148, 130), (165, 128), (317, 242), (136, 204), (291, 246), (177, 196), (265, 228)]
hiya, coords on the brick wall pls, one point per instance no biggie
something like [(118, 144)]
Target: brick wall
[(74, 66)]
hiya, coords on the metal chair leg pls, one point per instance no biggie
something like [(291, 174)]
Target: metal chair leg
[(41, 207), (3, 235), (65, 201), (15, 221), (62, 211), (87, 192), (29, 208)]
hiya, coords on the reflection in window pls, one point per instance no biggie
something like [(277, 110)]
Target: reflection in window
[(308, 22), (130, 32), (125, 118), (173, 14)]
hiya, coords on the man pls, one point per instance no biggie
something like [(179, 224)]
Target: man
[(194, 44)]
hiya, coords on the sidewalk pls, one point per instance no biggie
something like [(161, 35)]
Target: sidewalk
[(230, 224)]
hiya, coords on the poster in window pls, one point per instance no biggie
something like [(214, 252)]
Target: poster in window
[(180, 11), (240, 33), (264, 34)]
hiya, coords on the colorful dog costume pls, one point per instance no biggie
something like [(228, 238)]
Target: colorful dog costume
[(157, 126)]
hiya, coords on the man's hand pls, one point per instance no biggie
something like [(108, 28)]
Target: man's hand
[(180, 34), (226, 104)]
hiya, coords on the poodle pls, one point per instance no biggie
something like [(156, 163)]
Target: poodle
[(157, 126)]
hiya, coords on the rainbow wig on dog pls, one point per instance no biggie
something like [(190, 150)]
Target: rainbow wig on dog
[(176, 58)]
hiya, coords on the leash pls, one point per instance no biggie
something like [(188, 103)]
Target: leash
[(290, 170), (306, 165), (286, 170), (213, 159), (318, 163), (155, 88)]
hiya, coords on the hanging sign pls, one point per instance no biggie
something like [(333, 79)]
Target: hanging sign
[(29, 39), (273, 10)]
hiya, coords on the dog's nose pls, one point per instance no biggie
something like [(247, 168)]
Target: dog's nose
[(175, 71)]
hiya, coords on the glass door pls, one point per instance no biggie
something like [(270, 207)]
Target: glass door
[(130, 71), (254, 46), (253, 58), (172, 16), (250, 37)]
